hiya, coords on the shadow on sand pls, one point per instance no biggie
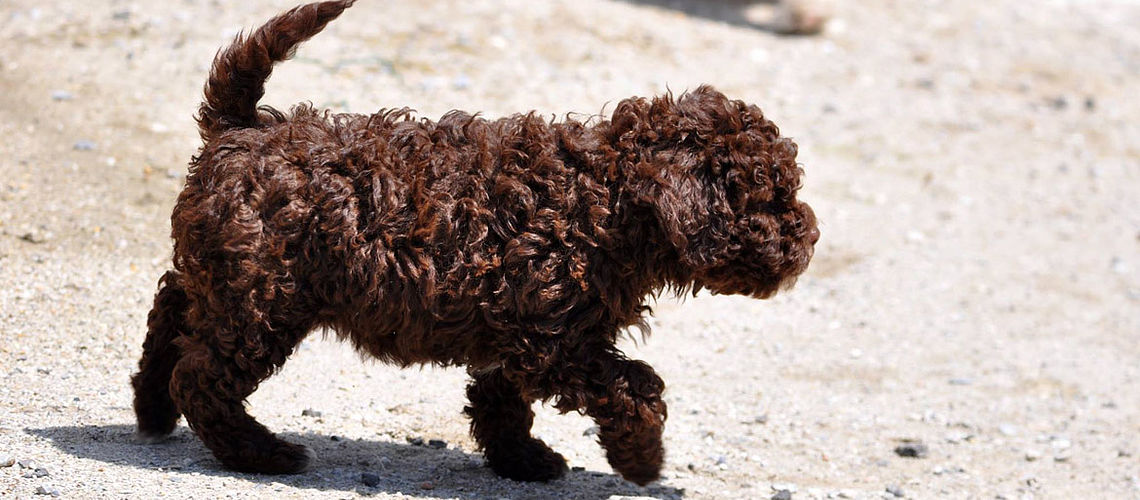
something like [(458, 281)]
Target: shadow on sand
[(403, 468), (734, 12)]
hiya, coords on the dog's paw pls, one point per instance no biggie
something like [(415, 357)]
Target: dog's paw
[(281, 458), (640, 474), (290, 459), (530, 460)]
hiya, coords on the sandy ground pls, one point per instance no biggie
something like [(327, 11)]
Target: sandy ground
[(975, 166)]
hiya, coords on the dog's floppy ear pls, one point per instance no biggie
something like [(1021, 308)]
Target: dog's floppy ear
[(674, 199)]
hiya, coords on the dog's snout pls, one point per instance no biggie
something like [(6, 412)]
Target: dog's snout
[(813, 235)]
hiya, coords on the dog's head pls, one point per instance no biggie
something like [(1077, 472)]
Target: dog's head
[(722, 184)]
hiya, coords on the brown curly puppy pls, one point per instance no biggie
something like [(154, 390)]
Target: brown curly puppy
[(516, 247)]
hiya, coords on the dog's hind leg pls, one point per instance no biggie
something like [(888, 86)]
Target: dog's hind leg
[(221, 365), (501, 418), (154, 409)]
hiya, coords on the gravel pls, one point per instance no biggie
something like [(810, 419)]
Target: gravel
[(969, 232)]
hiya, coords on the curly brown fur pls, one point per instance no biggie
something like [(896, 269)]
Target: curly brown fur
[(517, 247)]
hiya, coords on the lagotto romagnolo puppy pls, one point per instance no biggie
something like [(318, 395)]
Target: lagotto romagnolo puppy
[(518, 248)]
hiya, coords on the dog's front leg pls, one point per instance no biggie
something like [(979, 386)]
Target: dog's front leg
[(624, 398)]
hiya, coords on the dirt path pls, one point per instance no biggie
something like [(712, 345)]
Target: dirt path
[(975, 165)]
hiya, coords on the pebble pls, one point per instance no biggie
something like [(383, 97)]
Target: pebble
[(369, 479), (896, 491), (27, 464), (61, 95), (782, 495), (38, 472), (961, 381), (83, 145), (48, 490), (309, 412), (7, 460), (592, 431), (1007, 429), (438, 444), (427, 485), (912, 449), (1032, 455), (34, 237), (1063, 456), (416, 441)]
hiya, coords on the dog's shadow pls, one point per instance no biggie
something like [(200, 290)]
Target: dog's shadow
[(733, 12), (408, 469)]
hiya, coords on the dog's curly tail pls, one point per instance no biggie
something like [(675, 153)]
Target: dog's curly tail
[(237, 79)]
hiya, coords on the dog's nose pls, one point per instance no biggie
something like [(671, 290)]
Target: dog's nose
[(813, 235)]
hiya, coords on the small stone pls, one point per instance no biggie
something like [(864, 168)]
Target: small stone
[(782, 495), (427, 485), (912, 449), (61, 95), (1061, 443), (1059, 102), (1121, 453), (40, 472), (27, 464), (416, 441), (47, 490), (1007, 429), (7, 460), (309, 412), (1063, 456), (369, 479), (83, 145), (121, 15), (1032, 455), (592, 431), (896, 491), (961, 381), (577, 468), (1090, 103), (760, 419), (35, 238), (1118, 265), (438, 444)]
